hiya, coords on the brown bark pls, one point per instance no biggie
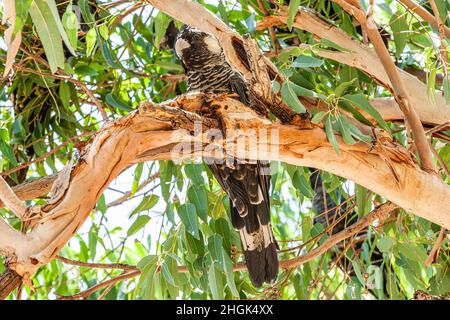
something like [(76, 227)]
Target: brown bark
[(153, 131), (9, 280)]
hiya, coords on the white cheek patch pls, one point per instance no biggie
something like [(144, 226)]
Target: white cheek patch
[(180, 45), (213, 45)]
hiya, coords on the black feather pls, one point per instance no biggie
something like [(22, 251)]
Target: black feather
[(245, 183)]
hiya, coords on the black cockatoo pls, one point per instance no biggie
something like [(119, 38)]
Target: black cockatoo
[(247, 184)]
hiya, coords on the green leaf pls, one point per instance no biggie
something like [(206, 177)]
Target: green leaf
[(47, 29), (188, 216), (91, 40), (412, 252), (103, 31), (446, 89), (166, 270), (344, 129), (276, 86), (169, 66), (362, 201), (400, 29), (359, 135), (116, 102), (358, 273), (147, 261), (222, 227), (71, 25), (317, 229), (360, 101), (110, 56), (307, 62), (317, 118), (194, 172), (148, 265), (162, 21), (330, 134), (165, 168), (22, 9), (385, 244), (300, 183), (197, 195), (138, 224), (17, 129), (147, 203), (290, 97), (300, 91), (197, 246), (230, 275), (223, 12), (344, 86), (93, 236), (101, 204), (64, 94), (217, 208), (62, 31), (137, 177), (293, 9), (215, 282), (7, 152), (85, 9), (215, 248)]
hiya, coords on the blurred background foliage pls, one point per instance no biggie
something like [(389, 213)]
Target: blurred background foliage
[(83, 62)]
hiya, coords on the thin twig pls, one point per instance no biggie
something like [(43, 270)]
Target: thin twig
[(438, 128), (424, 14), (92, 290), (80, 84), (45, 155), (378, 213), (128, 194), (442, 36), (437, 246), (271, 29), (120, 266)]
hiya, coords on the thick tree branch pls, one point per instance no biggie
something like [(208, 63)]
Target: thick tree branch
[(10, 199), (390, 111), (163, 131), (379, 213), (402, 95), (365, 58), (9, 280), (33, 189), (153, 132)]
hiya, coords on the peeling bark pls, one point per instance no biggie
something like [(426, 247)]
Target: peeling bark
[(9, 280), (154, 131), (385, 168)]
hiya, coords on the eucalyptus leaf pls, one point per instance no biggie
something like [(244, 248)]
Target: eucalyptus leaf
[(47, 28), (188, 216)]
